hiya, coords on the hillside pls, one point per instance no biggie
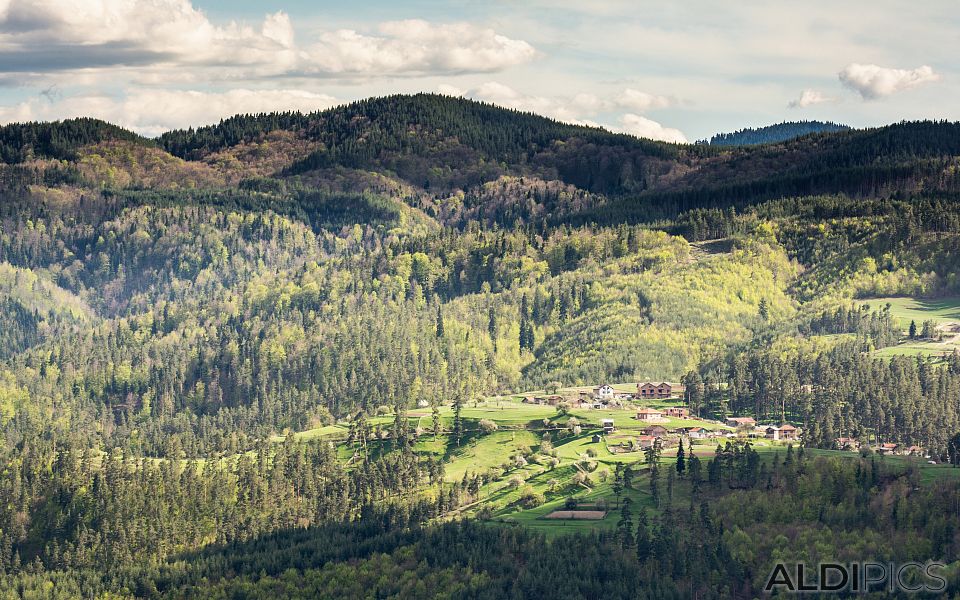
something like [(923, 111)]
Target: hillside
[(362, 352), (771, 134), (21, 142), (427, 148)]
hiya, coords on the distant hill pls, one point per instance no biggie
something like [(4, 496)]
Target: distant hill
[(772, 134), (59, 139), (439, 143), (427, 148)]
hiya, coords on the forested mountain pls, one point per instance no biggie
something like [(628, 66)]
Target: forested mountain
[(21, 142), (772, 134), (275, 356)]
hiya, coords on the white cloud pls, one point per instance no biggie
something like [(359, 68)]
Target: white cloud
[(277, 27), (810, 97), (873, 81), (50, 36), (561, 109), (417, 46), (151, 112), (449, 90), (570, 109), (580, 109), (647, 128), (642, 101)]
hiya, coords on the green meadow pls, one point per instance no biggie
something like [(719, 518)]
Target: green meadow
[(906, 309)]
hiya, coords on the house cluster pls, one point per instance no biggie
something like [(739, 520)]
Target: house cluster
[(667, 437), (900, 450), (778, 433), (606, 396), (854, 445), (602, 396)]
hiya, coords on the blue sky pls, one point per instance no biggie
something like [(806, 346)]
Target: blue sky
[(678, 71)]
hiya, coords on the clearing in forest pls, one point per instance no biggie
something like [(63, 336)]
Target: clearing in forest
[(944, 312)]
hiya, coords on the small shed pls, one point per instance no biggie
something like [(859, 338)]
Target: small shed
[(607, 425)]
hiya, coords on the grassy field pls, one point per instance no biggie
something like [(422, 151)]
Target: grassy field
[(481, 453), (906, 309), (916, 348), (602, 491), (550, 471)]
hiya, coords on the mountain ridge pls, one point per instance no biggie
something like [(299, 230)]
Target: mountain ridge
[(427, 147), (771, 134)]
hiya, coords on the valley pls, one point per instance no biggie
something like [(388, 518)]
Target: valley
[(426, 346)]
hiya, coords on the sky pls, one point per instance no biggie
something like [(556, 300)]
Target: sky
[(676, 71)]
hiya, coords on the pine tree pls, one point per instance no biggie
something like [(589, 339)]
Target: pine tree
[(694, 468), (644, 544), (399, 425), (435, 417), (714, 474), (625, 525), (439, 322), (618, 481), (681, 462), (457, 418)]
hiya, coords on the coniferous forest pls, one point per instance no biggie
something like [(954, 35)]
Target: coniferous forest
[(359, 353)]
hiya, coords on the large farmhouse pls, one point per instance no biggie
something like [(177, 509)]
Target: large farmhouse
[(664, 389), (656, 431), (741, 421), (649, 414), (783, 432), (604, 392), (848, 443)]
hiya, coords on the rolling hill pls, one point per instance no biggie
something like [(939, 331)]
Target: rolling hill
[(286, 354)]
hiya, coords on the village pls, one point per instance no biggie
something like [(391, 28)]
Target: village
[(649, 424)]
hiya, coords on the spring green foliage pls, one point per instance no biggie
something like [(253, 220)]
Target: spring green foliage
[(264, 358)]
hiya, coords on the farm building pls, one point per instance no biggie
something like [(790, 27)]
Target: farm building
[(695, 433), (656, 431), (888, 448), (783, 432), (741, 422), (848, 443), (607, 425), (649, 414), (597, 438), (603, 392), (586, 400), (914, 451), (677, 412), (646, 441), (663, 389)]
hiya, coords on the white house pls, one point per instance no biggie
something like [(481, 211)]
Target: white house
[(604, 392), (607, 425)]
